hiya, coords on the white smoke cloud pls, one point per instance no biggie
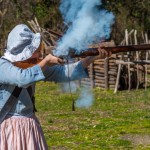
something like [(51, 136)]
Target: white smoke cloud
[(88, 24), (86, 98)]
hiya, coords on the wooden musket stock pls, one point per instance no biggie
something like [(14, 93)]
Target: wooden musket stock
[(27, 63), (114, 50)]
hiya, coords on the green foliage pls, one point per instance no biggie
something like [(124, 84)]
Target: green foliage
[(129, 15), (40, 11), (114, 122)]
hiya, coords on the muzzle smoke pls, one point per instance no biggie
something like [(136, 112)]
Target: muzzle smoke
[(88, 23)]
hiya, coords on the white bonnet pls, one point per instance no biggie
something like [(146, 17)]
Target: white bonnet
[(21, 43)]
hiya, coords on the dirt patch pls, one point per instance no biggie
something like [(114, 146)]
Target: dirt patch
[(137, 139)]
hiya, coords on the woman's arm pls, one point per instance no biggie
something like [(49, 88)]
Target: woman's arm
[(74, 71), (50, 60), (10, 74), (88, 60), (67, 72), (55, 70)]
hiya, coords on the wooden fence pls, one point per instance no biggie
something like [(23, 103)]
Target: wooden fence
[(122, 71), (102, 73)]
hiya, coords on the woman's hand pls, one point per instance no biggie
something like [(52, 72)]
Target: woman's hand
[(53, 60), (50, 60), (102, 53)]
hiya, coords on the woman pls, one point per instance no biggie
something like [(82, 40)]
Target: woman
[(20, 129)]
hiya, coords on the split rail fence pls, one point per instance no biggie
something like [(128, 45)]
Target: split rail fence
[(122, 71)]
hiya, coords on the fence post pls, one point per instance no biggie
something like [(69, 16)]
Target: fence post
[(106, 66)]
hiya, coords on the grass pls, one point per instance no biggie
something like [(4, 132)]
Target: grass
[(114, 122)]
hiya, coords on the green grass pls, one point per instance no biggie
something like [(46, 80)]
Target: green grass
[(114, 122)]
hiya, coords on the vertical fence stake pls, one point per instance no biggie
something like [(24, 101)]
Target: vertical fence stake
[(106, 65)]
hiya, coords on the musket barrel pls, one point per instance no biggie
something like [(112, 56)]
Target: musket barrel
[(128, 48), (114, 50)]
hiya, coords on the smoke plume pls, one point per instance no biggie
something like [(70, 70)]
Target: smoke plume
[(88, 23)]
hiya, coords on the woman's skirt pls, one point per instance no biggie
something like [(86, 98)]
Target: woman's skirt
[(22, 133)]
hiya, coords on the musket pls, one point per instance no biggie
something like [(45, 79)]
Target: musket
[(113, 49), (88, 52)]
